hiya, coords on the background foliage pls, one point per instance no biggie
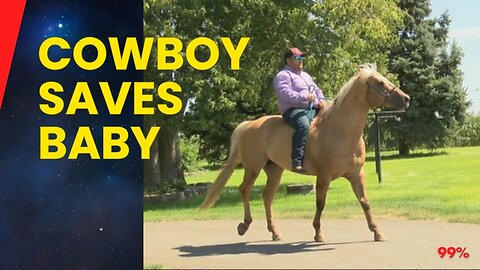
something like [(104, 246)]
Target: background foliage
[(430, 71)]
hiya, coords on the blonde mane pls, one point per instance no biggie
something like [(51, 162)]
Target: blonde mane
[(343, 93)]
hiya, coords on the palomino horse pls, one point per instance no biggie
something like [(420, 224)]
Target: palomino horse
[(335, 148)]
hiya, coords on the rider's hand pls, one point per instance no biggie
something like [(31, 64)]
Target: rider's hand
[(323, 104), (310, 97)]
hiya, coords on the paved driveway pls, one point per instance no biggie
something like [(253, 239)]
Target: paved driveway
[(215, 244)]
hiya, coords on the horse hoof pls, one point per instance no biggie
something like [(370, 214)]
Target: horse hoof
[(242, 228), (380, 237), (277, 237), (320, 238)]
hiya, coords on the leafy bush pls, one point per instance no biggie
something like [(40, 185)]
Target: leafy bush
[(467, 133), (189, 148)]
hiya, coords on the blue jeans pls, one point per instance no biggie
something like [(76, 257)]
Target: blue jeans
[(299, 119)]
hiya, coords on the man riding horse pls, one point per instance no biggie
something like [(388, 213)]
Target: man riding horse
[(298, 99)]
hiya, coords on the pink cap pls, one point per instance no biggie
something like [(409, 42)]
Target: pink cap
[(293, 52), (296, 52)]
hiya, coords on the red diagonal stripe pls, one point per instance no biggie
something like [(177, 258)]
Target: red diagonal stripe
[(11, 13)]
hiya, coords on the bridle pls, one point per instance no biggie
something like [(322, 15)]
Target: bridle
[(383, 91)]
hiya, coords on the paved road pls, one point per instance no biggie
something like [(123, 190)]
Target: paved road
[(215, 244)]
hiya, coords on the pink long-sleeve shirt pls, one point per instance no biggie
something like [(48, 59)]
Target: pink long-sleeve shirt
[(292, 88)]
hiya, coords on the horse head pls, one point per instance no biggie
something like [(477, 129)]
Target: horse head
[(381, 92)]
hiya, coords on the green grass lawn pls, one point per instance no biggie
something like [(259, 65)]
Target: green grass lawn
[(444, 185)]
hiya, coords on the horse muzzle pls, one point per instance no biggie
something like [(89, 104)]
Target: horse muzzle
[(398, 100)]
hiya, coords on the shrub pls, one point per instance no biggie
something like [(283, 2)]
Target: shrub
[(467, 133), (189, 148)]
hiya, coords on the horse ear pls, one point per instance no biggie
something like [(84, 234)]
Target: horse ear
[(362, 67), (371, 66)]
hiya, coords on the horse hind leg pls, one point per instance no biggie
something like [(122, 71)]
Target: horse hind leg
[(358, 185), (245, 188), (274, 174)]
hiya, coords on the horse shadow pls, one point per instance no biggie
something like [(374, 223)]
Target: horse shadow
[(259, 247)]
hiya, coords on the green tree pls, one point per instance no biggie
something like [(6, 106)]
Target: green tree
[(164, 170), (430, 75), (356, 32)]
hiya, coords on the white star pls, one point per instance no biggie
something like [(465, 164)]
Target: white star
[(60, 25)]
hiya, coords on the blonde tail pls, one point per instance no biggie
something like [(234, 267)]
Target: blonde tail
[(227, 170)]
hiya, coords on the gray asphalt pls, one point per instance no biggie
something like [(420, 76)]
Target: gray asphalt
[(215, 244)]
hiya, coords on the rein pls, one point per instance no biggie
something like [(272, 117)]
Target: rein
[(382, 91)]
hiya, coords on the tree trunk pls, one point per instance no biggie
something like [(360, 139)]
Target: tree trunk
[(403, 147), (163, 172)]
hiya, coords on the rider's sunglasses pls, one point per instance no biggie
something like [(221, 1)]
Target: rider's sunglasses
[(299, 57)]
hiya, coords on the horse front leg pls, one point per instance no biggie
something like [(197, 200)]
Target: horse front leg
[(357, 182), (321, 195)]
